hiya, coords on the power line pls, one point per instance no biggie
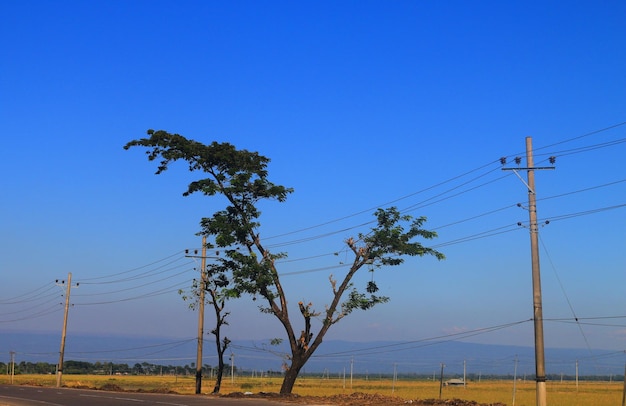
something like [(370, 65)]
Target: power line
[(582, 190), (27, 309), (138, 286), (169, 289), (584, 213), (569, 303), (33, 299), (146, 274), (86, 280), (588, 148), (406, 345), (483, 234), (42, 313), (31, 295), (611, 127), (382, 205), (144, 347), (421, 204), (425, 203)]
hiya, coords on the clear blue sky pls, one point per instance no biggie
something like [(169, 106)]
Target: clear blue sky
[(359, 105)]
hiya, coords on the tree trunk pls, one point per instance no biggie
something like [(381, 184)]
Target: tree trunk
[(291, 375), (220, 373)]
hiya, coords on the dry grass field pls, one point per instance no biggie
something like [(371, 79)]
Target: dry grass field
[(558, 393)]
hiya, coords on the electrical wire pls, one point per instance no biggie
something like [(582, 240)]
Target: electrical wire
[(29, 296), (382, 205), (424, 342), (38, 299), (588, 148), (86, 280), (483, 234), (144, 347), (582, 190), (159, 292), (27, 309), (135, 287), (583, 213), (325, 268), (569, 303), (583, 149), (611, 127), (423, 204), (405, 345), (42, 313), (146, 274)]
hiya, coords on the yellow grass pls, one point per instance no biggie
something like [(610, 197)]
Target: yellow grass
[(558, 393)]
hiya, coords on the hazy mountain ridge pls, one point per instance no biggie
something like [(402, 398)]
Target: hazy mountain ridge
[(333, 357)]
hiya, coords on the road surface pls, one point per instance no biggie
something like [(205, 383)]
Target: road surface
[(14, 395)]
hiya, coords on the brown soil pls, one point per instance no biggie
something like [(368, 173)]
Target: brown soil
[(361, 399)]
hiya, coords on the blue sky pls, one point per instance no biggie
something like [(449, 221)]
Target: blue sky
[(359, 105)]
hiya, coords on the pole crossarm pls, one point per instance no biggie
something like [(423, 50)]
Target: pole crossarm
[(527, 169)]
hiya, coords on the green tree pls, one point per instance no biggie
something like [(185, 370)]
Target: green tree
[(242, 178), (138, 369), (218, 288)]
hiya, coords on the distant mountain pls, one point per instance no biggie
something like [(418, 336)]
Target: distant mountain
[(332, 358)]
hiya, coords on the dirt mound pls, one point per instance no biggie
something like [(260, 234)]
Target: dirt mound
[(359, 399), (111, 387), (157, 390)]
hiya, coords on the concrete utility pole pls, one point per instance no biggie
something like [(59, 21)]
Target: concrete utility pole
[(540, 363), (464, 373), (12, 365), (203, 279), (576, 375), (514, 380), (351, 370), (203, 282), (624, 390), (63, 334), (232, 368), (201, 298), (540, 367), (441, 380)]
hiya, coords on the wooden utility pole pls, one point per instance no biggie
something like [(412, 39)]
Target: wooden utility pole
[(63, 334), (540, 362), (203, 282)]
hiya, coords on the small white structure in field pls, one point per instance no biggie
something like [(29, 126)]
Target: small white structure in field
[(455, 382)]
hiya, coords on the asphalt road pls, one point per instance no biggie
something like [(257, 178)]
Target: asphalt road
[(14, 395)]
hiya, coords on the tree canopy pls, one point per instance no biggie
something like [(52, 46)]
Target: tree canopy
[(242, 177)]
